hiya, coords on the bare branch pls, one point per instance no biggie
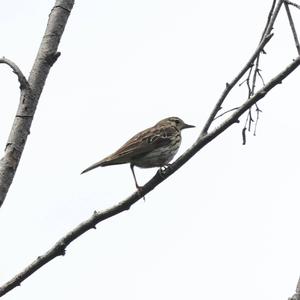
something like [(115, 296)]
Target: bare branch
[(271, 22), (292, 3), (266, 36), (255, 75), (230, 85), (292, 27), (254, 69), (251, 91), (59, 248), (29, 98), (296, 296), (258, 111), (22, 79), (226, 112), (268, 19), (244, 135), (260, 76)]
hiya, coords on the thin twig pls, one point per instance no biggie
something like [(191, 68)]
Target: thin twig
[(250, 119), (59, 248), (244, 135), (268, 20), (264, 40), (292, 27), (273, 13), (271, 22), (248, 81), (224, 113), (266, 36), (230, 85), (258, 111), (260, 76), (22, 79), (244, 130), (251, 87), (251, 91), (292, 3), (255, 75)]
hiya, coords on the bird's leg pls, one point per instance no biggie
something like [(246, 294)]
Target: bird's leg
[(136, 184), (132, 170)]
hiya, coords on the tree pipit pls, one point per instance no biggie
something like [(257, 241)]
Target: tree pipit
[(153, 147)]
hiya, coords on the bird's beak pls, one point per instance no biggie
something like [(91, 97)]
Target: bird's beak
[(188, 126)]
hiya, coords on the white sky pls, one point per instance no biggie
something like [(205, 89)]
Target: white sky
[(226, 225)]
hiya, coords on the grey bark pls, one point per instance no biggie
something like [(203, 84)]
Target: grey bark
[(30, 94)]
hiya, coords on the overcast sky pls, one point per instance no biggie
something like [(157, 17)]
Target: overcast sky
[(225, 226)]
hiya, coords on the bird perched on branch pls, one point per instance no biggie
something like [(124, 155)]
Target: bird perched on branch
[(153, 147)]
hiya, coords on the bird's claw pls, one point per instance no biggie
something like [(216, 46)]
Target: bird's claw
[(162, 171), (140, 191)]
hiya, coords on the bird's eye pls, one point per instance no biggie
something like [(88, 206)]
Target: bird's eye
[(175, 120)]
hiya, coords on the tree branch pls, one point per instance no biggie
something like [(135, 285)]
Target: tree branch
[(29, 97), (271, 22), (292, 3), (292, 27), (266, 36), (268, 19), (296, 296), (22, 79), (230, 85), (59, 248), (224, 113)]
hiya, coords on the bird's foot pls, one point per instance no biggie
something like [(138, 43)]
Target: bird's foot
[(140, 192), (163, 169)]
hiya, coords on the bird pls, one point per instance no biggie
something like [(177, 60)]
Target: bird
[(153, 147)]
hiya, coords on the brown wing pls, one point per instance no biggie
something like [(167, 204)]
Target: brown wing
[(143, 143)]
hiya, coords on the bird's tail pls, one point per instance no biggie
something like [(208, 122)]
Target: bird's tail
[(101, 163), (93, 166)]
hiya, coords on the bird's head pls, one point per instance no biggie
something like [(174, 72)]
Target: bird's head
[(175, 122)]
